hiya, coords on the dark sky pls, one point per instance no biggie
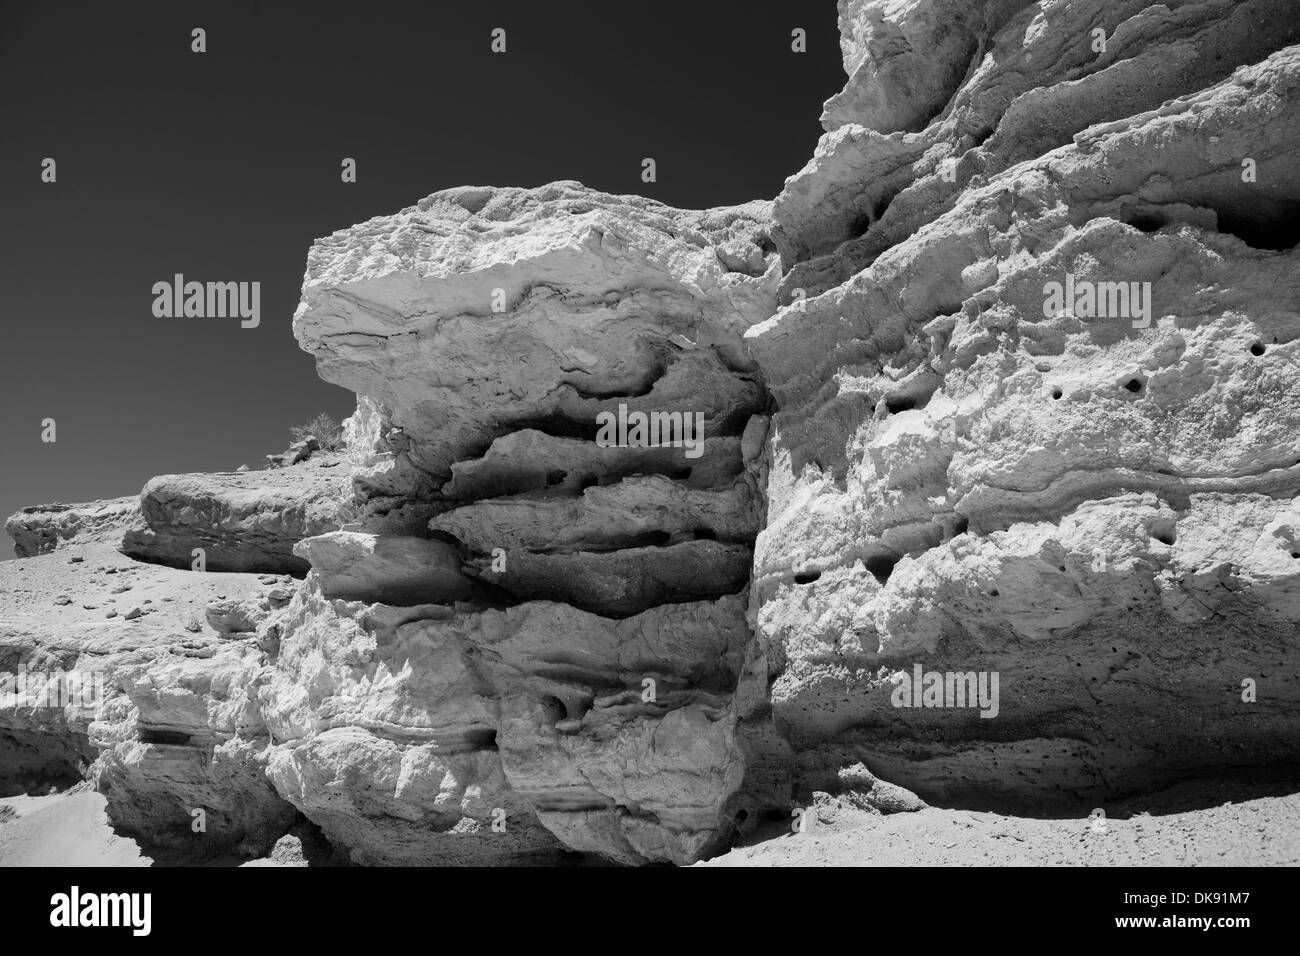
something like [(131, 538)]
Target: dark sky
[(225, 166)]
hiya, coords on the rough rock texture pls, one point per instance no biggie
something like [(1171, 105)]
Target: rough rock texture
[(41, 529), (1099, 507), (593, 684), (173, 731), (484, 311), (244, 521), (518, 643), (401, 731), (390, 569)]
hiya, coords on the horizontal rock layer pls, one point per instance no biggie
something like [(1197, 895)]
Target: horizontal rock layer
[(242, 521), (41, 529)]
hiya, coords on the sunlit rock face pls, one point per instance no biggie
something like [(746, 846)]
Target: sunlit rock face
[(1035, 377), (990, 491), (583, 667)]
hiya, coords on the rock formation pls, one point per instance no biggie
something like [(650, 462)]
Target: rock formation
[(41, 529), (1002, 384)]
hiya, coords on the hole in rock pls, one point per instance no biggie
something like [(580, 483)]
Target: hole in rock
[(1257, 349), (882, 566), (1146, 221), (1164, 532), (172, 737), (1134, 385), (807, 577), (1277, 233), (960, 526), (704, 534), (654, 539), (555, 476), (860, 225), (588, 481), (680, 474), (1057, 393), (446, 537), (1295, 554), (898, 404), (994, 592), (555, 710)]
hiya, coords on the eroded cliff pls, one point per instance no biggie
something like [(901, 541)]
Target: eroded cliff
[(1003, 383)]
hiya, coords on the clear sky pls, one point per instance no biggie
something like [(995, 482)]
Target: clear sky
[(224, 166)]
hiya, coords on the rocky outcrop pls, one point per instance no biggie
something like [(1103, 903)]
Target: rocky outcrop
[(243, 521), (155, 706), (296, 453), (41, 529), (1093, 500), (990, 495), (591, 684), (438, 734), (393, 570)]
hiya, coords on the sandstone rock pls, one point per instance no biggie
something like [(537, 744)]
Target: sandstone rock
[(428, 698), (934, 415), (356, 566), (529, 460), (914, 463), (43, 528), (236, 617), (595, 287), (299, 451), (243, 522), (1035, 80)]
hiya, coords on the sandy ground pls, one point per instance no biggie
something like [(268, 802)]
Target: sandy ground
[(71, 829), (68, 829), (1258, 832)]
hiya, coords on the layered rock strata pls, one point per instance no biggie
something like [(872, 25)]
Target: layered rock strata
[(1095, 500), (1002, 384), (577, 674)]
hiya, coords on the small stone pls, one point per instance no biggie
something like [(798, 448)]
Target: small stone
[(132, 614), (62, 599), (120, 588), (76, 559), (111, 614)]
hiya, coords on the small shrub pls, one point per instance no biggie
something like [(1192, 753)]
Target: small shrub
[(323, 428)]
